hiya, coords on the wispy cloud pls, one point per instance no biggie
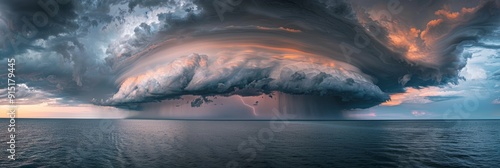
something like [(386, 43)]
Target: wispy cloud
[(422, 96), (418, 113), (496, 101)]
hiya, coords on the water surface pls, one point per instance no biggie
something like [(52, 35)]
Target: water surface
[(170, 143)]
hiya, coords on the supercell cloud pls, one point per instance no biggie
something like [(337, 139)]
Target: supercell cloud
[(332, 52)]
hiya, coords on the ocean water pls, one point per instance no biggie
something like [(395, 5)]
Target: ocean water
[(168, 143)]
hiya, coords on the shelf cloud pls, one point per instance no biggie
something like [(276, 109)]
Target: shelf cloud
[(138, 52)]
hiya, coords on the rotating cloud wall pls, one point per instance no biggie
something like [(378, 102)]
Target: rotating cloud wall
[(334, 54)]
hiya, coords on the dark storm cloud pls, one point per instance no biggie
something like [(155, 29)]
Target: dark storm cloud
[(330, 52), (146, 35), (321, 28), (153, 3), (22, 17), (47, 38), (335, 83), (37, 30)]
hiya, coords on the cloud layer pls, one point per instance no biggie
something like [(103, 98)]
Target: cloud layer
[(351, 54), (297, 48), (203, 75)]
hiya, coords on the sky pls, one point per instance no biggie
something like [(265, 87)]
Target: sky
[(194, 59)]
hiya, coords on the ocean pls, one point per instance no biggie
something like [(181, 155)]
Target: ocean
[(181, 143)]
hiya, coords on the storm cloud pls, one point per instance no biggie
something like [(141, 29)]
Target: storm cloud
[(130, 53)]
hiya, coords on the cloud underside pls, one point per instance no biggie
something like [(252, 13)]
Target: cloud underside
[(246, 76)]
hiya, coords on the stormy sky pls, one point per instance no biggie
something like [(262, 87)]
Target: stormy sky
[(251, 59)]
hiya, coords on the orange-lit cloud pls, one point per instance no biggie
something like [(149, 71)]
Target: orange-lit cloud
[(446, 22), (421, 45), (417, 96)]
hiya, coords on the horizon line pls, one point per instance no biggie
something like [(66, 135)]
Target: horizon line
[(184, 119)]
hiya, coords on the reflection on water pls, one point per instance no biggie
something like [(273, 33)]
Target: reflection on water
[(163, 143)]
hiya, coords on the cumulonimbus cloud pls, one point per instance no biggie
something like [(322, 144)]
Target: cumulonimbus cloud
[(132, 52), (257, 51), (204, 75)]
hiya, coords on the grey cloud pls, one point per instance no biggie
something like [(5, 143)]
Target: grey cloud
[(74, 55), (383, 68), (442, 98), (25, 95), (66, 24), (63, 56), (495, 75), (202, 75)]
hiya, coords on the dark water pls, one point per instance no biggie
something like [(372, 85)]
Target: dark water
[(162, 143)]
